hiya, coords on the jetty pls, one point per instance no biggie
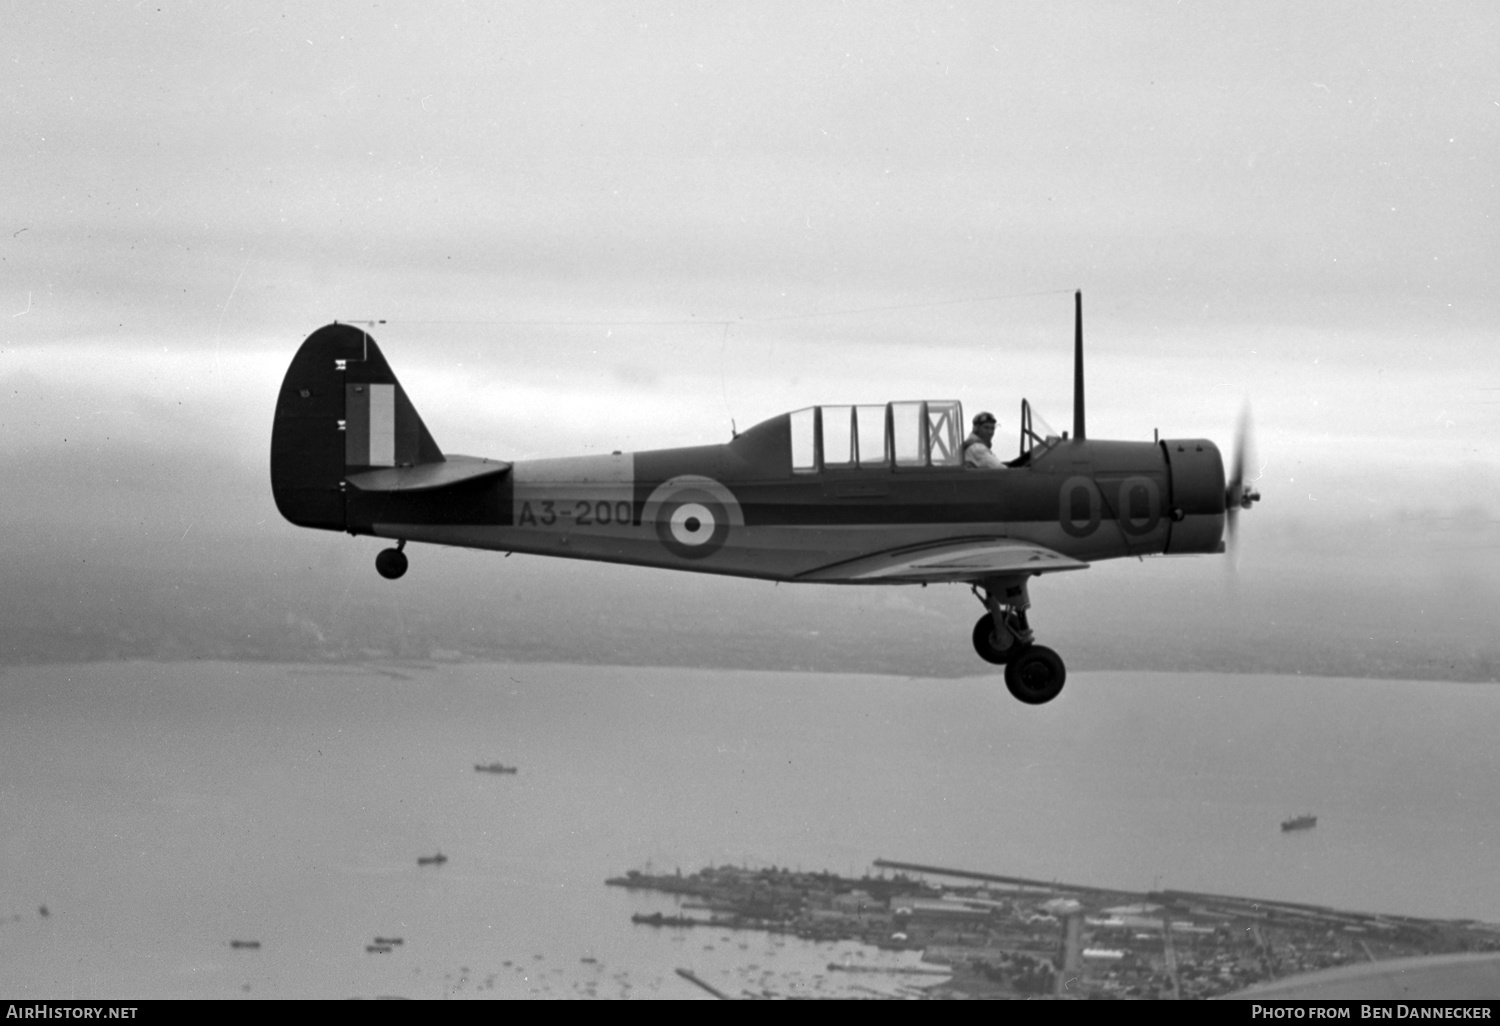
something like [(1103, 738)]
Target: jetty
[(687, 974)]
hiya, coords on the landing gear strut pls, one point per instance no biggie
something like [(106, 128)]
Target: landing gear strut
[(1033, 673), (391, 563)]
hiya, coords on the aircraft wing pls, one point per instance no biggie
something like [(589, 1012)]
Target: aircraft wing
[(971, 559), (426, 477)]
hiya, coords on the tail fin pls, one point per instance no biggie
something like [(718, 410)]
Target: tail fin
[(340, 412)]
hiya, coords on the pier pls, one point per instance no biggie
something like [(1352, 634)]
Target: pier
[(687, 974)]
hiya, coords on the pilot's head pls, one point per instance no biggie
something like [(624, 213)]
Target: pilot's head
[(984, 426)]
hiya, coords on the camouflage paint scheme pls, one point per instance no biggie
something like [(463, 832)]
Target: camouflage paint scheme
[(350, 453)]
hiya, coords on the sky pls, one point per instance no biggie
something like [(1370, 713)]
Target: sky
[(631, 226)]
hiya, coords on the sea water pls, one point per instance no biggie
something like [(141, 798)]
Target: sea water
[(161, 811)]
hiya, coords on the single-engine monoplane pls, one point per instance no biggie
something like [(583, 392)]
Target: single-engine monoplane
[(840, 494)]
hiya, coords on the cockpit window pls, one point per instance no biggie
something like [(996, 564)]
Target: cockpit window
[(871, 435), (838, 436), (944, 434), (1037, 435), (906, 425), (914, 434), (804, 441)]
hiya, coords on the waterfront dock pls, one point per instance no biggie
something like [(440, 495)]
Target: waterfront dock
[(997, 935)]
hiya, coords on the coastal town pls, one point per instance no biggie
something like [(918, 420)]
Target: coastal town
[(990, 936)]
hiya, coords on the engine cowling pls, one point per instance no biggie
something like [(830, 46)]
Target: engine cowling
[(1196, 506)]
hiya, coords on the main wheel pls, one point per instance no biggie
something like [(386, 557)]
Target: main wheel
[(984, 633), (390, 564), (1035, 674)]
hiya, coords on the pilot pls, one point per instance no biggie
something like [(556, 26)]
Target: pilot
[(977, 451)]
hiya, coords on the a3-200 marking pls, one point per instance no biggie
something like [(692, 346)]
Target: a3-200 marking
[(582, 513)]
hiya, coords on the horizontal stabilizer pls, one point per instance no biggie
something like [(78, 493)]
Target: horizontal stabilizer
[(972, 559), (427, 477)]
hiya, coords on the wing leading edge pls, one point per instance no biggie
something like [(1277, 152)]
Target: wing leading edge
[(970, 559)]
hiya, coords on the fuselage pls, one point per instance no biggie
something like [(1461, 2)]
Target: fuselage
[(789, 499), (740, 508)]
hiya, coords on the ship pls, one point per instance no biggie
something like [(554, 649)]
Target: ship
[(657, 919), (432, 860), (494, 767), (1304, 822)]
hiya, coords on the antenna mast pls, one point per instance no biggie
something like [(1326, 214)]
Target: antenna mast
[(1078, 434)]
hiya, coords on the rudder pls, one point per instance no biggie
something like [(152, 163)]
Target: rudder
[(340, 411)]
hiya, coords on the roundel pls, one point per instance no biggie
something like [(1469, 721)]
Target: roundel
[(692, 524), (692, 515)]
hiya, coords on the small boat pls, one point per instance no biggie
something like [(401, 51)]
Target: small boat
[(1304, 822), (495, 767), (657, 919), (432, 860)]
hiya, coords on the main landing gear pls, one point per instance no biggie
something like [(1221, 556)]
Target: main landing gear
[(391, 563), (1033, 673)]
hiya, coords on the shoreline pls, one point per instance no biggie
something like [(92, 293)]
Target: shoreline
[(382, 665)]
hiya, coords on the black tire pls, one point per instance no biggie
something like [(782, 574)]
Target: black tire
[(1035, 675), (983, 632), (390, 564)]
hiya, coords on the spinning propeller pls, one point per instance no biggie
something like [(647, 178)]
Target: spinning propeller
[(1239, 493)]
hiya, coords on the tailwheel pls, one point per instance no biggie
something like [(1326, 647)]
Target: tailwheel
[(1035, 674), (391, 563), (994, 646)]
